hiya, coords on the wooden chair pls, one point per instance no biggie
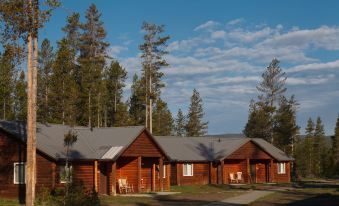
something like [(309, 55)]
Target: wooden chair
[(232, 178), (142, 185), (124, 186), (239, 177)]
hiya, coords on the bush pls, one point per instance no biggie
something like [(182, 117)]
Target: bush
[(77, 196)]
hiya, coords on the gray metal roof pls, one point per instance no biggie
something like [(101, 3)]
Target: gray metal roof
[(95, 143), (211, 148)]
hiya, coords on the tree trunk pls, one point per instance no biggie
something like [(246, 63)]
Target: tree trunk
[(31, 107)]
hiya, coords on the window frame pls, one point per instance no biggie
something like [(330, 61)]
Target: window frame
[(183, 168), (60, 177), (164, 171), (281, 168), (15, 180)]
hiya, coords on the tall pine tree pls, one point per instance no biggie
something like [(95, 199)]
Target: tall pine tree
[(20, 98), (335, 147), (180, 123), (115, 77), (285, 126), (318, 147), (64, 90), (152, 54), (136, 103), (92, 62), (7, 83), (162, 120), (46, 58), (195, 125)]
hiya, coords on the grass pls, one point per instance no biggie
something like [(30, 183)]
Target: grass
[(304, 194), (9, 202)]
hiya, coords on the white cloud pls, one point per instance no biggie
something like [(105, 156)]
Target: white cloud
[(218, 34), (310, 81), (235, 21), (114, 51), (207, 25), (315, 67)]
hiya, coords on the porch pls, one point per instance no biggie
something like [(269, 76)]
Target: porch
[(142, 174)]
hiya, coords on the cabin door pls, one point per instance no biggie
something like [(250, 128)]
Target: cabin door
[(103, 179), (253, 168)]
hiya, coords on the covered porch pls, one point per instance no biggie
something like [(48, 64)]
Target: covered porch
[(141, 174)]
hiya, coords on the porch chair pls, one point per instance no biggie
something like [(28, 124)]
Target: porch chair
[(124, 186), (232, 178), (239, 177)]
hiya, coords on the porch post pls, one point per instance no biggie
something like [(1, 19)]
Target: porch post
[(178, 173), (153, 177), (248, 170), (96, 175), (161, 173), (271, 171), (53, 175), (168, 176), (210, 173), (139, 173), (114, 180), (222, 171)]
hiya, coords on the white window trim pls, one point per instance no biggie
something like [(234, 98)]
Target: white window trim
[(281, 168), (164, 171), (15, 181), (64, 166), (183, 170)]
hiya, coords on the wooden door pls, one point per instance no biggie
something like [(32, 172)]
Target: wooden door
[(253, 168), (103, 179)]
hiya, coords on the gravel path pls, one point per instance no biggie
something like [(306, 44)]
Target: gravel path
[(244, 199)]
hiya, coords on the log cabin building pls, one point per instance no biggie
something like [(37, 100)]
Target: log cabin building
[(102, 156), (99, 158), (213, 160)]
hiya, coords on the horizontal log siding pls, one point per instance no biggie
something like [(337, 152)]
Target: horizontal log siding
[(234, 166), (200, 174), (127, 167), (143, 146), (282, 177), (249, 150)]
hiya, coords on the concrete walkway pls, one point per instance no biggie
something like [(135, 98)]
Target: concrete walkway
[(244, 199)]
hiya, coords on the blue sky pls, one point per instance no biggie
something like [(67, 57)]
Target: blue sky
[(222, 47)]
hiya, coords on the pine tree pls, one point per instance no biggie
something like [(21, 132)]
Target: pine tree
[(285, 126), (20, 98), (7, 83), (115, 77), (162, 121), (72, 31), (46, 58), (64, 91), (272, 88), (136, 103), (153, 50), (195, 126), (259, 121), (92, 62), (180, 123), (309, 139), (318, 147)]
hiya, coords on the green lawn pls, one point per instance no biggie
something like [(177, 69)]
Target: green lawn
[(9, 202)]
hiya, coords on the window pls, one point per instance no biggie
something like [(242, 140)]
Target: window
[(64, 172), (164, 173), (19, 173), (281, 168), (188, 169)]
